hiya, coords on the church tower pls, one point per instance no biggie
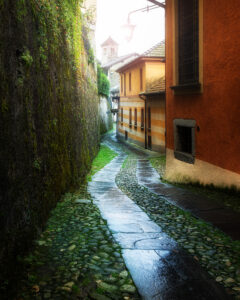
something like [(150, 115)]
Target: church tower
[(109, 50)]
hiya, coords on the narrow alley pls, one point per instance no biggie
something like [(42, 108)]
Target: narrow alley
[(117, 239), (119, 150)]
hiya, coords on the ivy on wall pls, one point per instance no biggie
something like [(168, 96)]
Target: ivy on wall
[(49, 120)]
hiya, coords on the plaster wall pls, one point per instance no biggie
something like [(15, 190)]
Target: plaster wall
[(201, 171), (216, 109), (154, 70), (135, 80)]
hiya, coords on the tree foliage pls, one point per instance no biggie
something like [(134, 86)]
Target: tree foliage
[(102, 82)]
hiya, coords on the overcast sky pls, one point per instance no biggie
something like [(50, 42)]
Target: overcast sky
[(112, 14)]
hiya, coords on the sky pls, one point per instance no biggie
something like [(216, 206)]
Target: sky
[(113, 14)]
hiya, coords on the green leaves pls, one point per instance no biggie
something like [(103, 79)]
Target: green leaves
[(102, 82)]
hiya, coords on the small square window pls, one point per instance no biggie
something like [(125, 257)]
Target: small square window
[(184, 140), (184, 143)]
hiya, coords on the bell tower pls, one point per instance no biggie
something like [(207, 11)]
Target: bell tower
[(109, 50)]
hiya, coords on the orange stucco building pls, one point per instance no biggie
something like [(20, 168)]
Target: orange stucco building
[(141, 117), (203, 91)]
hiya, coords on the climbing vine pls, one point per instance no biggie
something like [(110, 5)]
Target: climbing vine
[(48, 115)]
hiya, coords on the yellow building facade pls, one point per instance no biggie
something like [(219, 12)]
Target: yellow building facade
[(141, 116)]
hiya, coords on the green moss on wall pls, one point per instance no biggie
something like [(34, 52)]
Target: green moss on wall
[(48, 114)]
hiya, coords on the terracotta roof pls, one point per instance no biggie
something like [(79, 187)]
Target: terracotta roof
[(156, 51), (155, 86), (118, 60), (109, 41)]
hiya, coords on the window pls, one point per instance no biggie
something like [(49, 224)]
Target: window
[(142, 118), (135, 117), (149, 119), (124, 84), (130, 82), (130, 117), (121, 115), (188, 42), (121, 84), (184, 140), (141, 80)]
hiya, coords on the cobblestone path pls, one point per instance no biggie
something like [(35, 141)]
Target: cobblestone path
[(159, 267), (103, 242)]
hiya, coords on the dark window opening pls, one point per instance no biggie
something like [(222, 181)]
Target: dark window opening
[(142, 118), (121, 83), (121, 115), (184, 140), (188, 44), (184, 143), (135, 118), (130, 117), (126, 135)]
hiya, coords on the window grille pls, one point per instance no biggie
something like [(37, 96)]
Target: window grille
[(188, 44)]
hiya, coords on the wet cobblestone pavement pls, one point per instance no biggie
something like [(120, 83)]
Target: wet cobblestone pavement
[(89, 241), (208, 246), (76, 257), (199, 206)]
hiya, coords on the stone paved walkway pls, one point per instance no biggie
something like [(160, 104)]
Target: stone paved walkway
[(201, 207), (159, 268)]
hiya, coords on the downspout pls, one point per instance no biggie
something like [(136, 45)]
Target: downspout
[(144, 98)]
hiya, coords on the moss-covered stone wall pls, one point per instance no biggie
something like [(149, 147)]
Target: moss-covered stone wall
[(49, 124)]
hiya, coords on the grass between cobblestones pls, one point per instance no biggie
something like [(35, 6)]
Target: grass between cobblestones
[(105, 155), (76, 256), (214, 250)]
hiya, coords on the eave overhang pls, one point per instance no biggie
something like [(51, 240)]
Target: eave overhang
[(139, 60), (146, 94)]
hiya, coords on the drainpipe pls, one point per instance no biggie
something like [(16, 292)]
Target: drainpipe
[(144, 98)]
